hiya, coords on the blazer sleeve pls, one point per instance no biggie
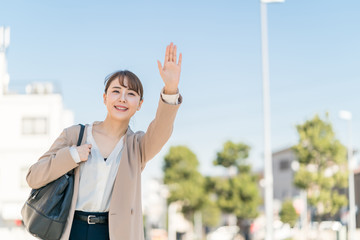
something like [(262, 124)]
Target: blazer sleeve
[(53, 164), (159, 131)]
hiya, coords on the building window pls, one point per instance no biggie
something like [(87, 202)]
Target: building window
[(284, 165), (34, 126)]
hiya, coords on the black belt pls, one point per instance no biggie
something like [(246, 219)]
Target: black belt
[(92, 218)]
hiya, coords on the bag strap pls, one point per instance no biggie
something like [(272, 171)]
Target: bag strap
[(81, 134)]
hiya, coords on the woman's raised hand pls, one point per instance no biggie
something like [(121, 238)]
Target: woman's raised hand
[(170, 72)]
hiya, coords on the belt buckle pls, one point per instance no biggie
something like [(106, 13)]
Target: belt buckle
[(89, 218)]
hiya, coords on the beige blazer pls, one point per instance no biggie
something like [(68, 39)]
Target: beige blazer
[(125, 212)]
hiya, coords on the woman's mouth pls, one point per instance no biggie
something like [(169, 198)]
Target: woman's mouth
[(121, 108)]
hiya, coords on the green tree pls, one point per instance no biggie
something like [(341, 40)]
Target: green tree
[(323, 168), (232, 155), (210, 213), (238, 193), (184, 181), (288, 213)]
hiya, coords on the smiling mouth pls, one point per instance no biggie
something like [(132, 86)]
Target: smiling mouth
[(121, 108)]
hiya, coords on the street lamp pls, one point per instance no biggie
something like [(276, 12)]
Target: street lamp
[(345, 115), (268, 175)]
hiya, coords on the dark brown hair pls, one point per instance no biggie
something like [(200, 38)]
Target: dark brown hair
[(133, 81)]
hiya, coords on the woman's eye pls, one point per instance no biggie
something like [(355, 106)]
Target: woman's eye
[(116, 91), (132, 94)]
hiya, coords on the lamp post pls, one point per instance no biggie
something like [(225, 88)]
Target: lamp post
[(266, 108), (352, 218)]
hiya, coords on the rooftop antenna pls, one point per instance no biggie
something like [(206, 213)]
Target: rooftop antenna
[(4, 44)]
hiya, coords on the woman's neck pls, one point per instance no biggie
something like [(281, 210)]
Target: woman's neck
[(113, 129)]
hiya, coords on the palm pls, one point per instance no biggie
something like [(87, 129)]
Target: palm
[(170, 72)]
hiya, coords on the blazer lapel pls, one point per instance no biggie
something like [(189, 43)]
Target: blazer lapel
[(122, 165)]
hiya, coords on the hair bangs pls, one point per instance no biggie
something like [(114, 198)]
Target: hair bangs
[(133, 82)]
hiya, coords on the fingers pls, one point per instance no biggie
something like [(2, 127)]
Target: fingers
[(84, 151), (89, 146), (171, 57), (180, 60), (174, 54), (167, 53), (170, 53), (159, 66)]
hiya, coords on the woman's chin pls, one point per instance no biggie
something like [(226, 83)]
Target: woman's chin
[(121, 118)]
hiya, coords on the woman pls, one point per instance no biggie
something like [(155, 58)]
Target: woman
[(108, 165)]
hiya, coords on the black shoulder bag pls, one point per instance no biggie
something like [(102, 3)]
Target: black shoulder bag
[(46, 210)]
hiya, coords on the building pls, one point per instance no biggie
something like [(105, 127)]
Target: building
[(284, 170), (283, 174), (29, 123)]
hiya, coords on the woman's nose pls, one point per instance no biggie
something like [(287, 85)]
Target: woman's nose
[(122, 97)]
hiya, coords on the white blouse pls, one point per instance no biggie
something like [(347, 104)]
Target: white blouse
[(97, 176)]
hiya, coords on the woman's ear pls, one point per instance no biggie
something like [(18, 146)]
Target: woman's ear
[(140, 103), (104, 96)]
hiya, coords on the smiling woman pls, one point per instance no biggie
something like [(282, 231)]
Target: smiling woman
[(106, 203), (123, 94)]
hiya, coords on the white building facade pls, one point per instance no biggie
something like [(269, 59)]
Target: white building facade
[(29, 124), (284, 187)]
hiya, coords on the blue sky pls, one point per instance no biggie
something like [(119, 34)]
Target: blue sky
[(314, 64)]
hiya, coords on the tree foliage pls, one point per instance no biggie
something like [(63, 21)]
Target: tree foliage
[(210, 213), (184, 181), (233, 154), (288, 213), (237, 194), (323, 168)]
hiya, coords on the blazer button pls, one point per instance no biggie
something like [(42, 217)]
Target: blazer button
[(132, 211)]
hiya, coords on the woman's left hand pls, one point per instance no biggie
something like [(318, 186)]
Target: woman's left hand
[(170, 72)]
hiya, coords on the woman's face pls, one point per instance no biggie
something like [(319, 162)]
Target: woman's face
[(121, 102)]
